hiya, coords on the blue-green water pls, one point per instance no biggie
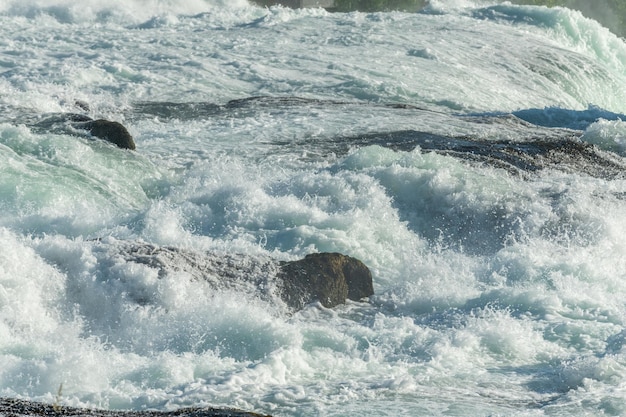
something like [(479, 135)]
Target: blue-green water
[(499, 290)]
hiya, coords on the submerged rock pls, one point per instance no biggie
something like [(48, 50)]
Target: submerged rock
[(328, 278), (18, 408), (564, 151)]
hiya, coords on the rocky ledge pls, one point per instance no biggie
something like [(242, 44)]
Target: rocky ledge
[(327, 278), (10, 407)]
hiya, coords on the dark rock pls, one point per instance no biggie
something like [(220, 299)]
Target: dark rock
[(166, 110), (70, 123), (113, 132), (564, 151), (17, 408), (75, 117), (329, 278)]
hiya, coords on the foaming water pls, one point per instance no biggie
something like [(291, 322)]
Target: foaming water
[(470, 155), (138, 11), (52, 183)]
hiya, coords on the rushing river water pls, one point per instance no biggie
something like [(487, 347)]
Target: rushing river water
[(471, 155)]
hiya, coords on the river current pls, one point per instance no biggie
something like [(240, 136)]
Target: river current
[(471, 155)]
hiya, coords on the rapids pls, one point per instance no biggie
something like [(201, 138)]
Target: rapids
[(471, 155)]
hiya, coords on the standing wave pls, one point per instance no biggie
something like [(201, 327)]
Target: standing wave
[(568, 27), (580, 57)]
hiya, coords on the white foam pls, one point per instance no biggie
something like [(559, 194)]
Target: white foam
[(495, 293), (608, 135), (137, 10), (95, 191)]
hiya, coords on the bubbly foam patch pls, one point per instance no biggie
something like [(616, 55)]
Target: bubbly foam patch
[(137, 10), (607, 134)]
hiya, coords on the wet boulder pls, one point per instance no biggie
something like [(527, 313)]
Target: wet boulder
[(330, 278), (327, 278), (74, 123), (113, 132)]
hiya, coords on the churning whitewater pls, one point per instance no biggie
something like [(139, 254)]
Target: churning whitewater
[(471, 155)]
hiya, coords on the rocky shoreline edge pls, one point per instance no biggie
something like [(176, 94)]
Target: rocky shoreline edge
[(11, 407)]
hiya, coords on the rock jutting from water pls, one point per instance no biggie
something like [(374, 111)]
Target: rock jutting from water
[(74, 123), (330, 278), (110, 131), (327, 278)]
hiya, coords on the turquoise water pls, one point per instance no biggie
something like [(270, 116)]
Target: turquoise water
[(498, 290)]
